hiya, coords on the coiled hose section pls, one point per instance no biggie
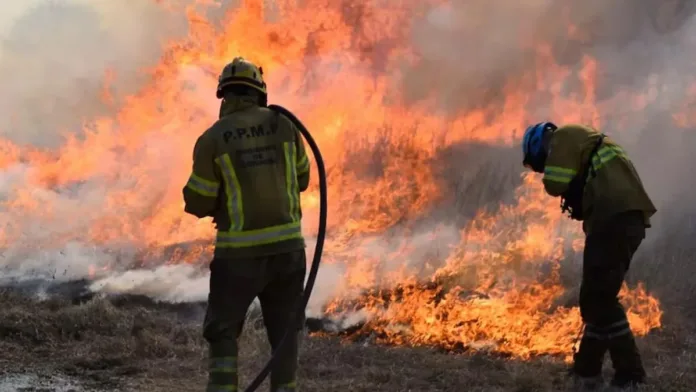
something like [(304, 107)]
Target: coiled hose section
[(293, 324)]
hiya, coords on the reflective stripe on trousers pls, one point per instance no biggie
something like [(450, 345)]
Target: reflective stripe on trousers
[(222, 374), (608, 332), (233, 191), (289, 387), (221, 388)]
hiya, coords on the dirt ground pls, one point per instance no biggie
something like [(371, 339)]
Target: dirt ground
[(107, 345)]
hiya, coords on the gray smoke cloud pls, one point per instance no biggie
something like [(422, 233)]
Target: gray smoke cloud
[(644, 58), (56, 55), (471, 49)]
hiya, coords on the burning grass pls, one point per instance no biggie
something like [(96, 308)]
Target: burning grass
[(456, 320), (111, 193), (418, 194), (127, 345)]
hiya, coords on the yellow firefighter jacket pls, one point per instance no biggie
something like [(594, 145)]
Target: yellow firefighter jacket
[(248, 171), (615, 188)]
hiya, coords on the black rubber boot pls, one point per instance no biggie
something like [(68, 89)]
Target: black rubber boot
[(587, 362), (587, 384), (628, 366)]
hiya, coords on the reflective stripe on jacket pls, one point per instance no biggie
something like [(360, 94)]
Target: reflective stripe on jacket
[(615, 188), (248, 171)]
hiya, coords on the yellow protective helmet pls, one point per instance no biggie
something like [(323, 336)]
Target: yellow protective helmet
[(241, 72)]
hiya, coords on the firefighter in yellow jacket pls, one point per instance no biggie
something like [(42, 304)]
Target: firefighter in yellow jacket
[(599, 186), (248, 171)]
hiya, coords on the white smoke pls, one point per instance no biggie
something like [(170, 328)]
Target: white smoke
[(54, 59), (170, 283), (55, 56), (387, 260), (187, 283)]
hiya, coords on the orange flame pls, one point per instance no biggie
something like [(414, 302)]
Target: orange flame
[(338, 66)]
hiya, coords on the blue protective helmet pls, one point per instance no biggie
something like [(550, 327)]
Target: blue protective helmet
[(533, 145)]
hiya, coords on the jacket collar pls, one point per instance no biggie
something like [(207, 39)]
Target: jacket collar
[(233, 104)]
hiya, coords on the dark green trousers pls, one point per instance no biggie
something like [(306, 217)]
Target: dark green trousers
[(278, 282), (607, 257)]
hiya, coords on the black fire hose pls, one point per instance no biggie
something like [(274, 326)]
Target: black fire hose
[(319, 248)]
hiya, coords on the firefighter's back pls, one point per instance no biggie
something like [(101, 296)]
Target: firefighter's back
[(259, 209), (615, 187)]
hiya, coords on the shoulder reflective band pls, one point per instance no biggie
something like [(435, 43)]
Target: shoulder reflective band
[(605, 154)]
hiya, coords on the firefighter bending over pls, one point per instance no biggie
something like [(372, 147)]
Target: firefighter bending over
[(598, 185), (248, 171)]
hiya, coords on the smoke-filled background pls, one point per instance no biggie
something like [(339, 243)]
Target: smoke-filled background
[(58, 57), (639, 59), (641, 64), (421, 104)]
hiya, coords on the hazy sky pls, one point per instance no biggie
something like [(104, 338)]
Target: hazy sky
[(9, 11)]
